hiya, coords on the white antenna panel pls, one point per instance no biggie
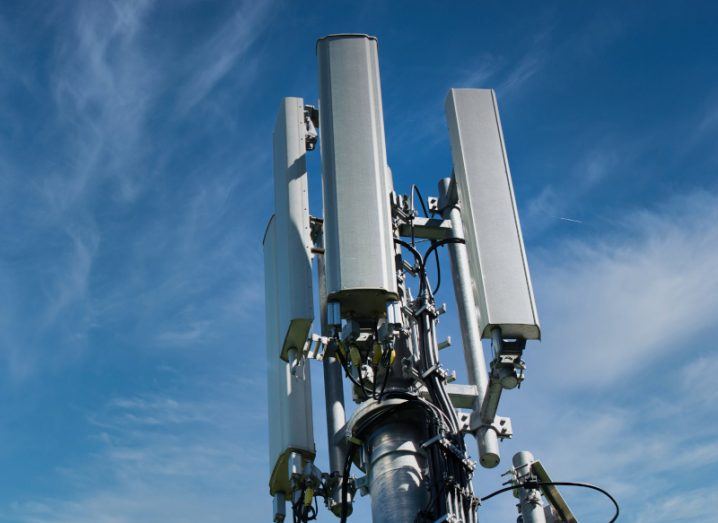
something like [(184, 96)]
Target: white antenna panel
[(358, 240), (289, 395), (500, 273), (294, 244)]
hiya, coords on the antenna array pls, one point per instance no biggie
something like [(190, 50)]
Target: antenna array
[(378, 312)]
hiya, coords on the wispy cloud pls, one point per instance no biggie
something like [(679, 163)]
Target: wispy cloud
[(227, 49), (566, 202), (103, 87), (114, 192), (71, 283), (624, 368), (163, 456), (508, 76), (619, 303), (694, 505), (640, 450)]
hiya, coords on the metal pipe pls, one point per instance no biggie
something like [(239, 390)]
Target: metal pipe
[(530, 504), (333, 389), (486, 437), (333, 392), (280, 507), (396, 481)]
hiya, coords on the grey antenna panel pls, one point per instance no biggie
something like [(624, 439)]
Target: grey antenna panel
[(360, 268), (500, 273), (289, 396), (294, 244)]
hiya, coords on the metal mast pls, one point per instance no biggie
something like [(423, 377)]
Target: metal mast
[(378, 313)]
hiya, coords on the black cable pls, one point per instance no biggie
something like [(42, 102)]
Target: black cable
[(438, 273), (345, 482), (446, 467), (414, 188), (435, 245), (302, 513), (387, 364), (421, 259), (426, 214), (421, 199), (373, 384), (536, 484), (418, 259), (412, 250), (298, 508), (345, 366), (373, 389)]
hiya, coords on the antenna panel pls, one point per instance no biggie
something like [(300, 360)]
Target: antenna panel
[(499, 270), (289, 396), (294, 244), (358, 240)]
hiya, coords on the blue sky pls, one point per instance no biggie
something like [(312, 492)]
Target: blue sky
[(135, 184)]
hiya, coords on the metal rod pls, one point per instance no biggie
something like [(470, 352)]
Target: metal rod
[(280, 507), (333, 391), (486, 437)]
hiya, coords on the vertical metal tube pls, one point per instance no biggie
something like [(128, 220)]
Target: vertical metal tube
[(469, 321), (334, 400), (396, 461), (530, 504), (280, 507), (333, 392)]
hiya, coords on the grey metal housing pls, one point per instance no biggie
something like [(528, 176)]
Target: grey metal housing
[(500, 273), (360, 269), (294, 244), (289, 396)]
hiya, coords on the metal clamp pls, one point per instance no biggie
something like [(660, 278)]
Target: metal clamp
[(311, 121), (501, 425)]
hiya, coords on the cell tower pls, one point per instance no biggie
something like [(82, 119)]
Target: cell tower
[(377, 310)]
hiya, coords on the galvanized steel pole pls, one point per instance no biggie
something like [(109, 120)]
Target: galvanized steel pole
[(333, 391), (468, 319), (530, 504)]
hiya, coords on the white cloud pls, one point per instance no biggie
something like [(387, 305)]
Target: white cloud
[(71, 282), (697, 378), (614, 305), (103, 87), (620, 392), (74, 256), (688, 506), (647, 445)]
